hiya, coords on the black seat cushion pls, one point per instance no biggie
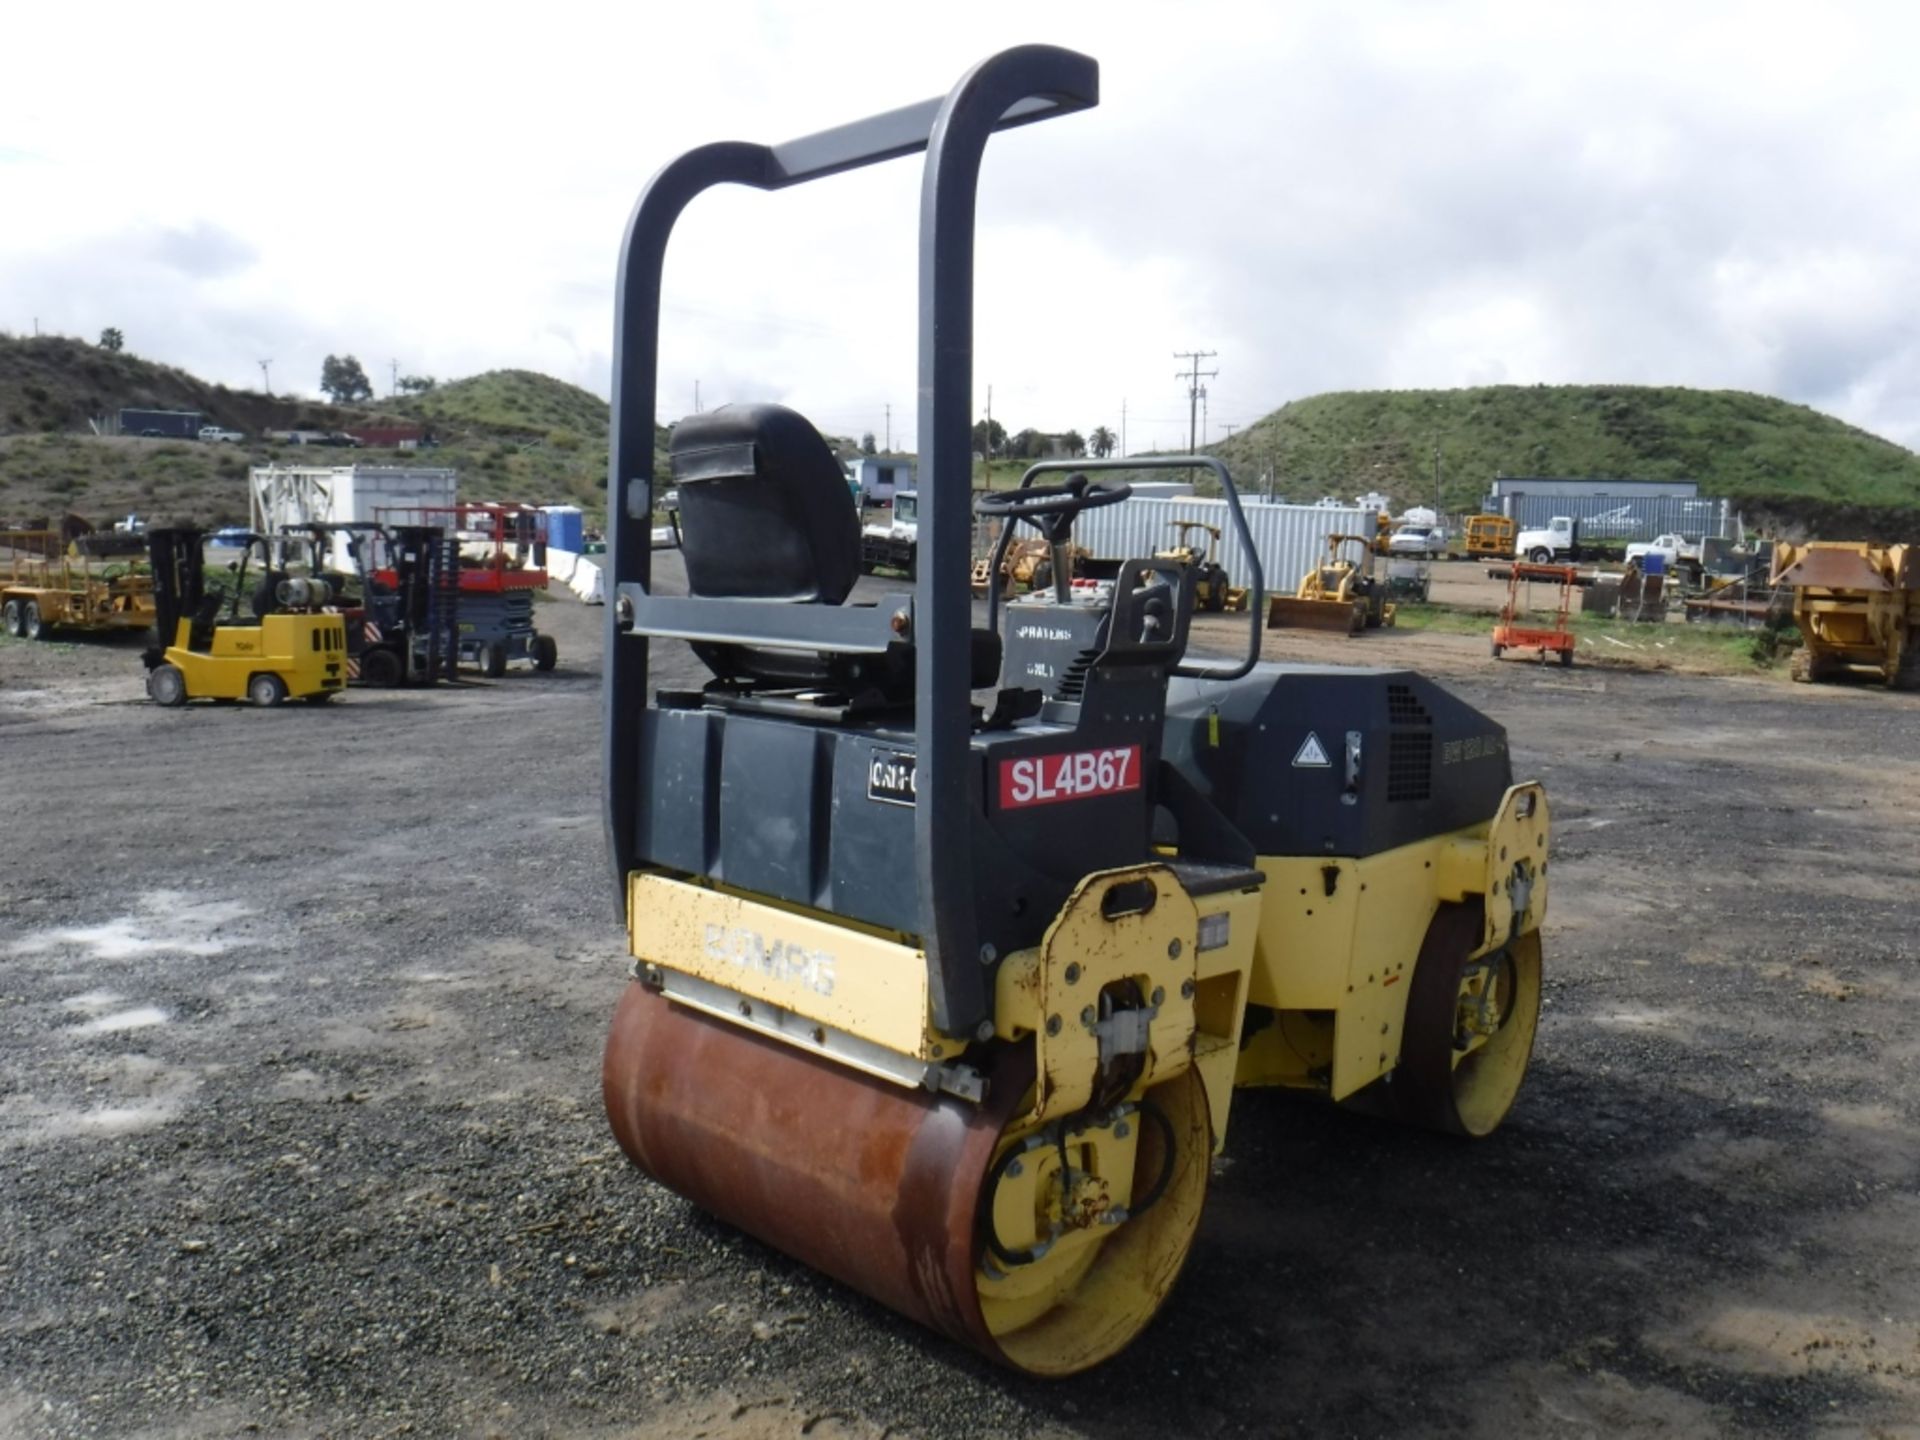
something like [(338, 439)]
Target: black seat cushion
[(765, 510)]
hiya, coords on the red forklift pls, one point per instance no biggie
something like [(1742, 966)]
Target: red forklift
[(1517, 627)]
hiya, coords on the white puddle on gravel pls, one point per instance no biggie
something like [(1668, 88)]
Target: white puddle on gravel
[(109, 1119), (165, 922), (138, 1018)]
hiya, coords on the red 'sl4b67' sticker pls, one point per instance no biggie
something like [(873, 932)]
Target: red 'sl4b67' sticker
[(1046, 779)]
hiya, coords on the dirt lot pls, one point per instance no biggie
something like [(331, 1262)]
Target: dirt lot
[(300, 1016)]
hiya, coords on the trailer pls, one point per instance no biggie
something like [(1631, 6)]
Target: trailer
[(168, 424), (47, 584)]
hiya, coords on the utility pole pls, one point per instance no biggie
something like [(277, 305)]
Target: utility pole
[(696, 397), (989, 445), (1436, 482), (1195, 390), (266, 380), (889, 427), (393, 382)]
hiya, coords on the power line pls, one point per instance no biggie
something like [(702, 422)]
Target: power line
[(1193, 376)]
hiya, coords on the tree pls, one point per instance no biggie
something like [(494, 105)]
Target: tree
[(866, 444), (1102, 442), (1076, 447), (343, 381), (1029, 444), (112, 339), (417, 384), (989, 437)]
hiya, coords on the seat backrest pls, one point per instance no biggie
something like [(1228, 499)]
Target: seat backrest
[(765, 510)]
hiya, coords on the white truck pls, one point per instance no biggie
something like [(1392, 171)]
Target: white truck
[(891, 544), (1565, 540), (1681, 555)]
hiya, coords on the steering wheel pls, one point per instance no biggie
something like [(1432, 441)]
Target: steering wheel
[(1036, 503)]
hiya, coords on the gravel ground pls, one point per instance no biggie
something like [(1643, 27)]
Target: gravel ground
[(300, 1017)]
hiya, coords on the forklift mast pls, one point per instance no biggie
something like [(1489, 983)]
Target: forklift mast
[(178, 559)]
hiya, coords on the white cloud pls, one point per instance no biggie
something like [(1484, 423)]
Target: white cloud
[(1328, 196)]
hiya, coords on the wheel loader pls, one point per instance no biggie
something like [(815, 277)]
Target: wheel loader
[(990, 1097), (1339, 594), (1194, 544)]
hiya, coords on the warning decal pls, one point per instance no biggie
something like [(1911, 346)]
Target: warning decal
[(1311, 753)]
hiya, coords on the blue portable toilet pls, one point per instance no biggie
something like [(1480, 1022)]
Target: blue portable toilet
[(566, 528)]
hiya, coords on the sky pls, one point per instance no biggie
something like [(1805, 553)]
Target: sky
[(1327, 196)]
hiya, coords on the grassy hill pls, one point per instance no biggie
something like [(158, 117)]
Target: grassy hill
[(512, 435), (1775, 457), (517, 435), (512, 400)]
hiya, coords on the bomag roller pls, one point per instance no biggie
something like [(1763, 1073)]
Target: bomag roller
[(952, 944)]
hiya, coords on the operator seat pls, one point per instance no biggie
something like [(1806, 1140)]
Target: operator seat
[(766, 514)]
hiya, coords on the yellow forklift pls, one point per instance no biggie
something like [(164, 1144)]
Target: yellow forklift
[(952, 943), (275, 643)]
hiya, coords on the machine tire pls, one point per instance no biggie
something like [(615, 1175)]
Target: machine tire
[(32, 627), (10, 618), (380, 667), (1566, 659), (546, 653), (1540, 555), (266, 689), (1433, 1086), (493, 661), (166, 685), (1498, 649)]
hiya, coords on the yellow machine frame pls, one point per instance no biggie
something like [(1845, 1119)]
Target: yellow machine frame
[(1338, 594), (307, 652), (1857, 606)]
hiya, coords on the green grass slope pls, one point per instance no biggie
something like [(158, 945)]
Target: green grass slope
[(512, 435), (1772, 456), (512, 400), (55, 384)]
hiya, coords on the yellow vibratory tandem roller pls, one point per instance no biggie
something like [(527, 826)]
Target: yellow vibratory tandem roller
[(952, 942)]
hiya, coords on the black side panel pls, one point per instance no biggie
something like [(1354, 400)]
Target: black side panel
[(679, 811), (1323, 760)]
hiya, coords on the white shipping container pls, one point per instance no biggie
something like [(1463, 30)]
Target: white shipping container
[(285, 495), (1289, 539)]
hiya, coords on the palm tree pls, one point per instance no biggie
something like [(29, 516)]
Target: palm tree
[(1101, 442)]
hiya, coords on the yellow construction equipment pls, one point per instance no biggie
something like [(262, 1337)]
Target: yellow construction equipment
[(1857, 606), (1195, 544), (1489, 537), (1028, 565), (275, 643), (953, 941), (48, 583), (1340, 594)]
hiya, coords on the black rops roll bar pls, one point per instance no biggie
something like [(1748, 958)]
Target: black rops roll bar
[(1015, 87), (1256, 599)]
